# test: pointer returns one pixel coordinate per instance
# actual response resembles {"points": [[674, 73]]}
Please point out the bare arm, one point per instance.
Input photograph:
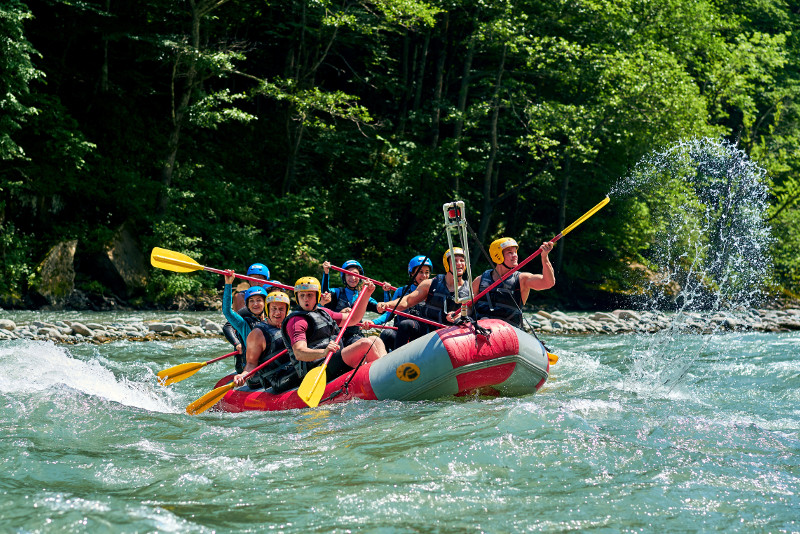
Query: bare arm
{"points": [[256, 343], [304, 354], [410, 300]]}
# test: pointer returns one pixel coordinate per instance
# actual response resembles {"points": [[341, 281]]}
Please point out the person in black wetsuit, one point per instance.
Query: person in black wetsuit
{"points": [[505, 301], [437, 293]]}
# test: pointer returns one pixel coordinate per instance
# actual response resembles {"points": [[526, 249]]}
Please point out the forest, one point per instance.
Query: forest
{"points": [[293, 132]]}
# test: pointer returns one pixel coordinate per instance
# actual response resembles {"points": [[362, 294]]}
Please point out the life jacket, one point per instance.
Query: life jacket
{"points": [[503, 302], [321, 330], [440, 300], [418, 309], [251, 320], [279, 370], [341, 303]]}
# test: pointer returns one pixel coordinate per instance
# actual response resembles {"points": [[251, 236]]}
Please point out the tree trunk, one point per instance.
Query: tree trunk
{"points": [[490, 174], [439, 85], [423, 57], [462, 107], [562, 208]]}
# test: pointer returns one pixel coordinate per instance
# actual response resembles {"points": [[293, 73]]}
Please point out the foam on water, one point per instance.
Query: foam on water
{"points": [[35, 366]]}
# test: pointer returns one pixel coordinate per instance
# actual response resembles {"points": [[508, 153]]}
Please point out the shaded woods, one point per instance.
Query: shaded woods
{"points": [[293, 132]]}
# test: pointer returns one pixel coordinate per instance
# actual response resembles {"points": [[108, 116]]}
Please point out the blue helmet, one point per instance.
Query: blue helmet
{"points": [[258, 268], [418, 261], [351, 263], [255, 290]]}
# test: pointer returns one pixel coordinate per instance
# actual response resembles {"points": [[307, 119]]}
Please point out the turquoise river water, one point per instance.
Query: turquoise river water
{"points": [[682, 433]]}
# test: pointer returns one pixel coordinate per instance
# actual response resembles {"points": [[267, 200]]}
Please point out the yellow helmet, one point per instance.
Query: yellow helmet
{"points": [[497, 246], [308, 283], [458, 252], [278, 296]]}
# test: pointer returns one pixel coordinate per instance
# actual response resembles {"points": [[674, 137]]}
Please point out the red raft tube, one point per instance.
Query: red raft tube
{"points": [[453, 361]]}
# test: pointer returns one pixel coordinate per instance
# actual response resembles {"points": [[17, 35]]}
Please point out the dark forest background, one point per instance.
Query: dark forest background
{"points": [[290, 132]]}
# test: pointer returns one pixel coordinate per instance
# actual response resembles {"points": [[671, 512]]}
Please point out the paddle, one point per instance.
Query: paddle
{"points": [[181, 263], [313, 386], [361, 276], [563, 232], [552, 358], [185, 370], [212, 397]]}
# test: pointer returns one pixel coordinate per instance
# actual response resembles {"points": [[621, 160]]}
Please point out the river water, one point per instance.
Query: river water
{"points": [[90, 443]]}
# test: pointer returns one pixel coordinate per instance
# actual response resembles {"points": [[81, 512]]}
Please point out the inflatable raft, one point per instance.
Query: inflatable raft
{"points": [[452, 361]]}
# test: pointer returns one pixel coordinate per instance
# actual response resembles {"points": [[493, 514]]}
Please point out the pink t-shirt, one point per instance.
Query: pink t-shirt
{"points": [[297, 325]]}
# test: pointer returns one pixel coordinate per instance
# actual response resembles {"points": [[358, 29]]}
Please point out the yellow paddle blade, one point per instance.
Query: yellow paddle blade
{"points": [[209, 399], [552, 358], [179, 372], [313, 386], [173, 261]]}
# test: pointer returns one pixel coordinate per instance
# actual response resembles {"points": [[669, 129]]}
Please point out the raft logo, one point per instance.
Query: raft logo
{"points": [[408, 372]]}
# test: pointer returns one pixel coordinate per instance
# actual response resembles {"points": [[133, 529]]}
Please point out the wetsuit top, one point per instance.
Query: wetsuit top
{"points": [[503, 302], [317, 327], [242, 323], [440, 300]]}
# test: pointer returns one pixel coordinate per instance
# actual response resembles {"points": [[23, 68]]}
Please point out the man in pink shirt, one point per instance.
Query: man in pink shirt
{"points": [[311, 331]]}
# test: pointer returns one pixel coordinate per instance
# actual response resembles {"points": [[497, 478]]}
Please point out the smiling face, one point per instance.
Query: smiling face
{"points": [[276, 312], [423, 273], [461, 264], [307, 299], [351, 280], [256, 304]]}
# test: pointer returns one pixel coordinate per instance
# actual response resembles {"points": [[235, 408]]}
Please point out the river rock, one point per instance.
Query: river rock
{"points": [[79, 328], [160, 327], [625, 315], [7, 324], [175, 320], [126, 256]]}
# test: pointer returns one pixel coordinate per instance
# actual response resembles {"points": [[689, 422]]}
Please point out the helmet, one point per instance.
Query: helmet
{"points": [[351, 263], [258, 268], [457, 251], [418, 261], [255, 290], [308, 283], [497, 246], [278, 296]]}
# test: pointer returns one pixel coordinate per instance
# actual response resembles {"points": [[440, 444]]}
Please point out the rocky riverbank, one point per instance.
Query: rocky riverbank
{"points": [[556, 322]]}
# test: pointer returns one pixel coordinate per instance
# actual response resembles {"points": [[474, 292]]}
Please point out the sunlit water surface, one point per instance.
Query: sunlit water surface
{"points": [[91, 443]]}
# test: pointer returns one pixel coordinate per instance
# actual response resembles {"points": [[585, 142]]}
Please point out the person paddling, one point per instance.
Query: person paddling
{"points": [[310, 332], [437, 293], [263, 343], [256, 270], [506, 300], [419, 270], [254, 299], [343, 298]]}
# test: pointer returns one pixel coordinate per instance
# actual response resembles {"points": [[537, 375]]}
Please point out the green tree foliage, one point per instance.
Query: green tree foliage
{"points": [[293, 132]]}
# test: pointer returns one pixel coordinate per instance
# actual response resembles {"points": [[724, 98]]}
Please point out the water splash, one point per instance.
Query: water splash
{"points": [[707, 203], [34, 367]]}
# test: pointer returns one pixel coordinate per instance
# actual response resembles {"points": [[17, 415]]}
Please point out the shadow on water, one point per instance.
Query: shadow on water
{"points": [[707, 203]]}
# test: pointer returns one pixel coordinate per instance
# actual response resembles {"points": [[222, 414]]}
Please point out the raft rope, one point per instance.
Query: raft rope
{"points": [[411, 277]]}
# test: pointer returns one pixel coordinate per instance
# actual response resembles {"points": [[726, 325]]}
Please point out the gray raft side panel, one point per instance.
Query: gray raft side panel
{"points": [[436, 378], [531, 367]]}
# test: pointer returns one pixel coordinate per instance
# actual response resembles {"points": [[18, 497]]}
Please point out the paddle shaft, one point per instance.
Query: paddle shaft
{"points": [[329, 355], [524, 262], [220, 271], [223, 357], [262, 365], [361, 276], [416, 318]]}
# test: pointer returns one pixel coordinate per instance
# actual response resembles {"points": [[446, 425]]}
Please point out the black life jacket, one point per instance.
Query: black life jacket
{"points": [[321, 330], [440, 300], [275, 344], [418, 309], [502, 302]]}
